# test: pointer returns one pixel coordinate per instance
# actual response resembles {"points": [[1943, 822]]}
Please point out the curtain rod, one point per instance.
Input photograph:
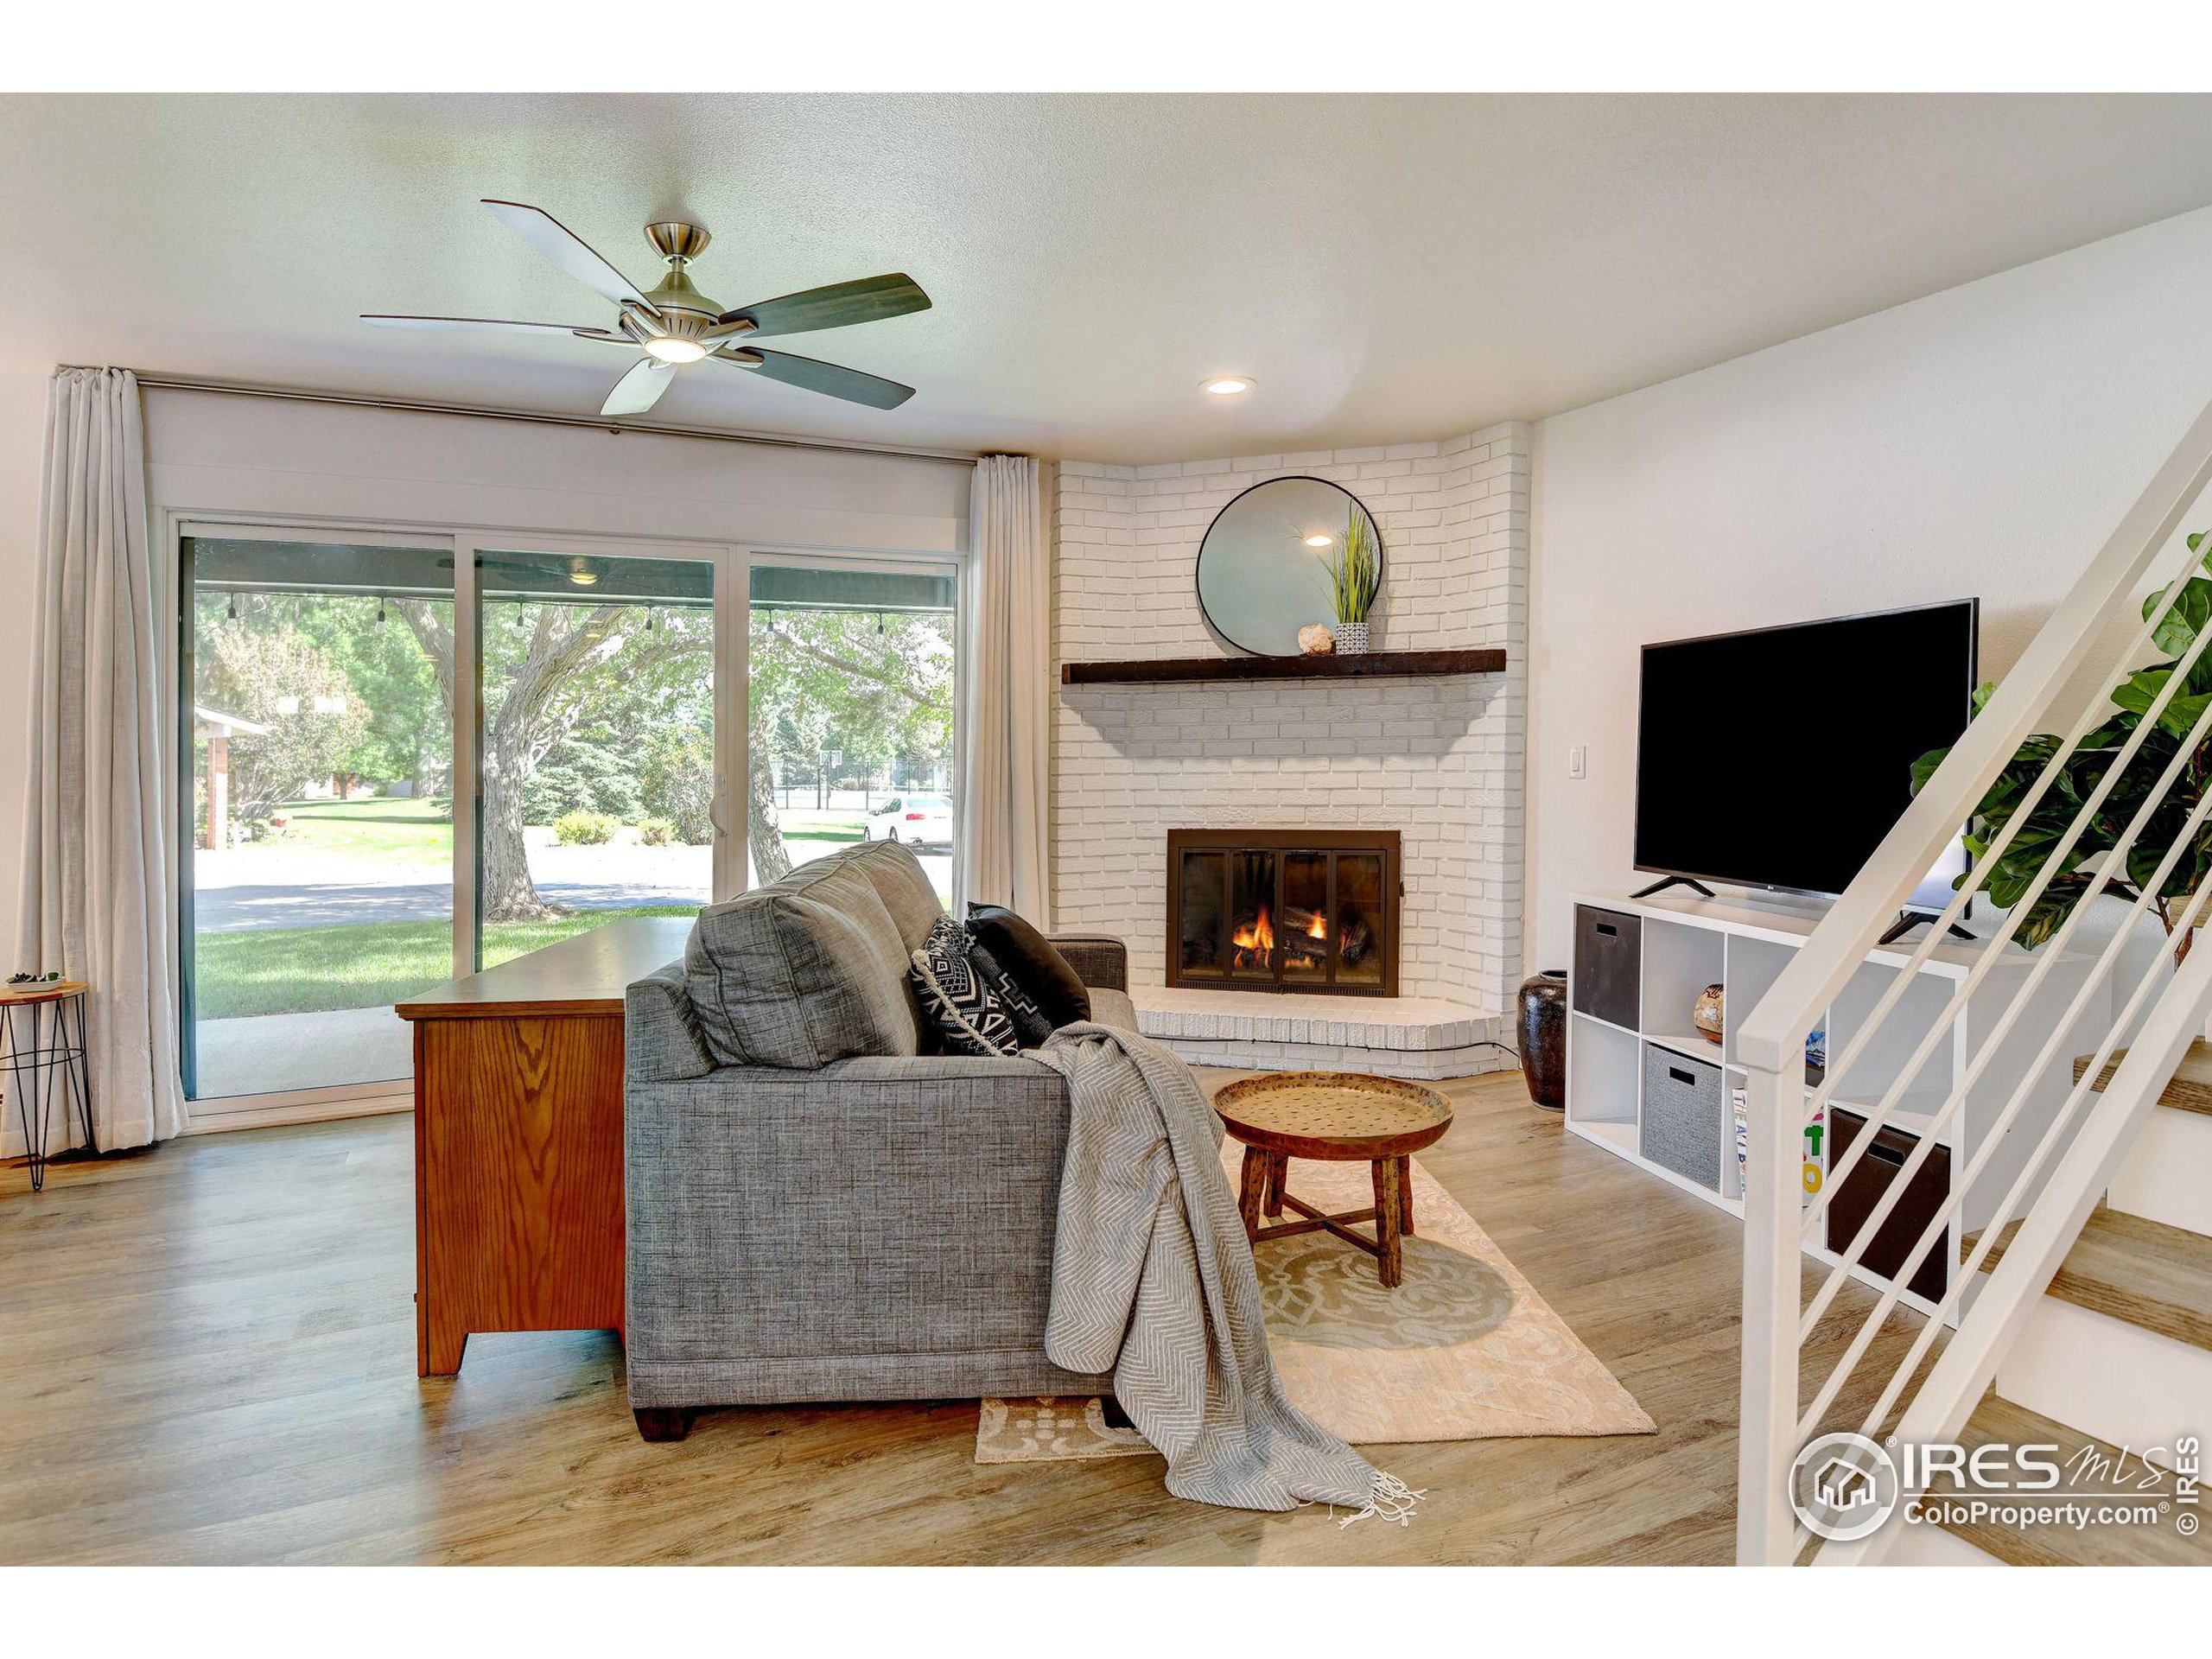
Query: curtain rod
{"points": [[424, 406]]}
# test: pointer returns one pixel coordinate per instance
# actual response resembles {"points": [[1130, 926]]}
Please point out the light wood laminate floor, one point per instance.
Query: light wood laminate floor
{"points": [[207, 1355]]}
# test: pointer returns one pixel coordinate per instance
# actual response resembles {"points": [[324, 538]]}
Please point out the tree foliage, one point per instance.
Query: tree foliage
{"points": [[588, 707], [276, 675]]}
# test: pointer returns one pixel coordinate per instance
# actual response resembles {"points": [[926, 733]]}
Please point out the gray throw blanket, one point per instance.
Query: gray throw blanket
{"points": [[1152, 1276]]}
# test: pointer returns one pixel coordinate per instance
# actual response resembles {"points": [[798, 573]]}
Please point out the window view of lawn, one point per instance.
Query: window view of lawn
{"points": [[322, 834]]}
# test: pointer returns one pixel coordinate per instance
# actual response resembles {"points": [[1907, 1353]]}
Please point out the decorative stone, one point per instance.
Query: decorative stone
{"points": [[1314, 639]]}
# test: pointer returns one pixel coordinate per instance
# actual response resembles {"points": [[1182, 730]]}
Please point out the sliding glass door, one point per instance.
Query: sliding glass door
{"points": [[393, 778], [316, 819], [851, 671], [599, 783], [405, 758]]}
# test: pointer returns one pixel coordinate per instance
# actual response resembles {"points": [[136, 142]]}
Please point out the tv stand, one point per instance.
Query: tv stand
{"points": [[1698, 887], [1906, 921], [1647, 1083]]}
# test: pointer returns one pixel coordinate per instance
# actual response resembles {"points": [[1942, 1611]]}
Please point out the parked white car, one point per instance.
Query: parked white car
{"points": [[918, 820]]}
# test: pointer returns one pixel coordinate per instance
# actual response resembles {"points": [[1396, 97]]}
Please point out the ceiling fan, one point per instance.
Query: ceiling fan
{"points": [[675, 323]]}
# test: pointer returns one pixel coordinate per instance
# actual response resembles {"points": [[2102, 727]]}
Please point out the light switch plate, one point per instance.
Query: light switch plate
{"points": [[1577, 761]]}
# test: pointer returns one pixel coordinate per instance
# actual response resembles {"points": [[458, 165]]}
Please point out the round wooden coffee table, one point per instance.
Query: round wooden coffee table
{"points": [[1338, 1117]]}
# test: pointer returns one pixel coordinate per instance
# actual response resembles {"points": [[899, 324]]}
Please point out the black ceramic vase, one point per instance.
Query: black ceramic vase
{"points": [[1543, 1037]]}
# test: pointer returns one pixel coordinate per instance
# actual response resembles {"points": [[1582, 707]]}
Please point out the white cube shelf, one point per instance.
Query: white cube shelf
{"points": [[1682, 944]]}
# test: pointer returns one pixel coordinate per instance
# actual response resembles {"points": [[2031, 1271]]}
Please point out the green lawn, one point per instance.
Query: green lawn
{"points": [[360, 965], [413, 831]]}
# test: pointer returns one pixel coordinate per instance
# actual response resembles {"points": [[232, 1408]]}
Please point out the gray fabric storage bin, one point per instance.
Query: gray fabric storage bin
{"points": [[1609, 965], [1683, 1124]]}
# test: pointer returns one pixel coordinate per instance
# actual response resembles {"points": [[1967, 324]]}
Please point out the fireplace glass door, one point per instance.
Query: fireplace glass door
{"points": [[1282, 910]]}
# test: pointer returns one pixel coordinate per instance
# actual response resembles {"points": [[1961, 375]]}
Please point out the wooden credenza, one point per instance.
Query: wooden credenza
{"points": [[519, 1139]]}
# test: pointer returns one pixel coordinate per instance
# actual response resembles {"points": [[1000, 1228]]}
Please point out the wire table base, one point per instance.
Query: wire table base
{"points": [[42, 1073]]}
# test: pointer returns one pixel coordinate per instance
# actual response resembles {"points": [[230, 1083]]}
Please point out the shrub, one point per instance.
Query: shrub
{"points": [[585, 829], [657, 832]]}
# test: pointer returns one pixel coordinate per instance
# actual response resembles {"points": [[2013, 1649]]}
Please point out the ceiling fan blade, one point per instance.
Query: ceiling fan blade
{"points": [[870, 299], [381, 320], [569, 251], [827, 377], [639, 389]]}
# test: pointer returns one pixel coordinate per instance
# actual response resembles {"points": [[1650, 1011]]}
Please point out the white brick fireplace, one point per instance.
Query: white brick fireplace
{"points": [[1439, 759]]}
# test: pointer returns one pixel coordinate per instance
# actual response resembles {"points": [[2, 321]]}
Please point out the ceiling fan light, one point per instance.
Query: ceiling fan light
{"points": [[671, 349]]}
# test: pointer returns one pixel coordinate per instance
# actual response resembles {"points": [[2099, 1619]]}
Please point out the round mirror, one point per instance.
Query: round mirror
{"points": [[1263, 568]]}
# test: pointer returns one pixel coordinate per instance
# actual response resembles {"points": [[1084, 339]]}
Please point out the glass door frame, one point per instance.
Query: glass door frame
{"points": [[182, 528], [730, 575], [955, 564], [730, 621]]}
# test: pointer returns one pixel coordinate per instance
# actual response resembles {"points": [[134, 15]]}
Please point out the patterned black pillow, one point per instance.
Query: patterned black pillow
{"points": [[960, 1005], [1031, 1025]]}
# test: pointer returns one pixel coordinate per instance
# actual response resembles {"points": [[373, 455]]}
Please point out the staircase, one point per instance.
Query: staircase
{"points": [[2118, 1354], [2080, 1314]]}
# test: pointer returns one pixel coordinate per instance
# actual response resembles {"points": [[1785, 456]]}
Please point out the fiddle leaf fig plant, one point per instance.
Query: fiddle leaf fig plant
{"points": [[2096, 863]]}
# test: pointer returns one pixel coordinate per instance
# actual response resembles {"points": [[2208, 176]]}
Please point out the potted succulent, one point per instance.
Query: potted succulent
{"points": [[1355, 577]]}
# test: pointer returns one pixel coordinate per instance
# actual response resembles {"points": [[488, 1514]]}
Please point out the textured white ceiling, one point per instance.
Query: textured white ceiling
{"points": [[1384, 267]]}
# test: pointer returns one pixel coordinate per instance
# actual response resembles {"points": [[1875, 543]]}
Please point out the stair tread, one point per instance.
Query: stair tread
{"points": [[2189, 1088], [1998, 1421], [2145, 1272]]}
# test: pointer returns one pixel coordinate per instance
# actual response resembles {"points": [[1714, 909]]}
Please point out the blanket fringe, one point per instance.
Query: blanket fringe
{"points": [[1389, 1498]]}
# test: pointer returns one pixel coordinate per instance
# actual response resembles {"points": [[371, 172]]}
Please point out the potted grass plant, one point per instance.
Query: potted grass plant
{"points": [[1355, 577]]}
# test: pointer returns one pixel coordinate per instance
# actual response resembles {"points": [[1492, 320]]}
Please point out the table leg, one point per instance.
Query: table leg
{"points": [[1406, 1196], [81, 1070], [1278, 1179], [33, 1103], [1253, 1190], [1389, 1209]]}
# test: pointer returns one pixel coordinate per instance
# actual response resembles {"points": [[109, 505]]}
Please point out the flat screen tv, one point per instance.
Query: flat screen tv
{"points": [[1779, 757]]}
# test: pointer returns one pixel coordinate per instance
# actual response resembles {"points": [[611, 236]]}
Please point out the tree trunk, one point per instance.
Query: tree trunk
{"points": [[507, 894], [772, 862]]}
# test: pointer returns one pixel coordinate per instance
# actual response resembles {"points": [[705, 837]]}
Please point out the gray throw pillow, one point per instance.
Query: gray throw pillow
{"points": [[800, 978]]}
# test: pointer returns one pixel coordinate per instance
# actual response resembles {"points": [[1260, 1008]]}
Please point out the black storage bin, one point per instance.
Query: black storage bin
{"points": [[1682, 1128], [1863, 1189], [1608, 963]]}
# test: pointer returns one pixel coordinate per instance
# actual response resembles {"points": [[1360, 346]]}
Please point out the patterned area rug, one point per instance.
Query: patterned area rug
{"points": [[1465, 1349]]}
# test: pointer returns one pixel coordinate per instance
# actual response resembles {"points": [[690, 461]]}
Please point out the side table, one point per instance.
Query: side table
{"points": [[1335, 1117], [46, 1067]]}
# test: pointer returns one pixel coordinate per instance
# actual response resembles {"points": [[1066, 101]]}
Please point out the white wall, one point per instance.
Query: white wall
{"points": [[1983, 441], [1439, 760]]}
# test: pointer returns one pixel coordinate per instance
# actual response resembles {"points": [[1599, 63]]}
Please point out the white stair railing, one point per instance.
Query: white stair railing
{"points": [[2074, 1157]]}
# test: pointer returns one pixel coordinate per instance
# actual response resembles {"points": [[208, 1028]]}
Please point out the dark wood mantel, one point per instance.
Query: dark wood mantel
{"points": [[1373, 664]]}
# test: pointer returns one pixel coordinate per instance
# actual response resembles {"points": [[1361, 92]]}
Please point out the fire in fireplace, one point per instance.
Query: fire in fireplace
{"points": [[1284, 909]]}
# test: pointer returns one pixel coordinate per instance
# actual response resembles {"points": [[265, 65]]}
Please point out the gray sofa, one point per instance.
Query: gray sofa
{"points": [[819, 1209]]}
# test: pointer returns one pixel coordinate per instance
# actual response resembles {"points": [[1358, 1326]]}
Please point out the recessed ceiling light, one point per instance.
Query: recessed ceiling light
{"points": [[1226, 385], [1319, 541], [668, 349]]}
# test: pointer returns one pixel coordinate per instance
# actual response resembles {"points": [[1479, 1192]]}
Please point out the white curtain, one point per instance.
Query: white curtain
{"points": [[95, 889], [1004, 855]]}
